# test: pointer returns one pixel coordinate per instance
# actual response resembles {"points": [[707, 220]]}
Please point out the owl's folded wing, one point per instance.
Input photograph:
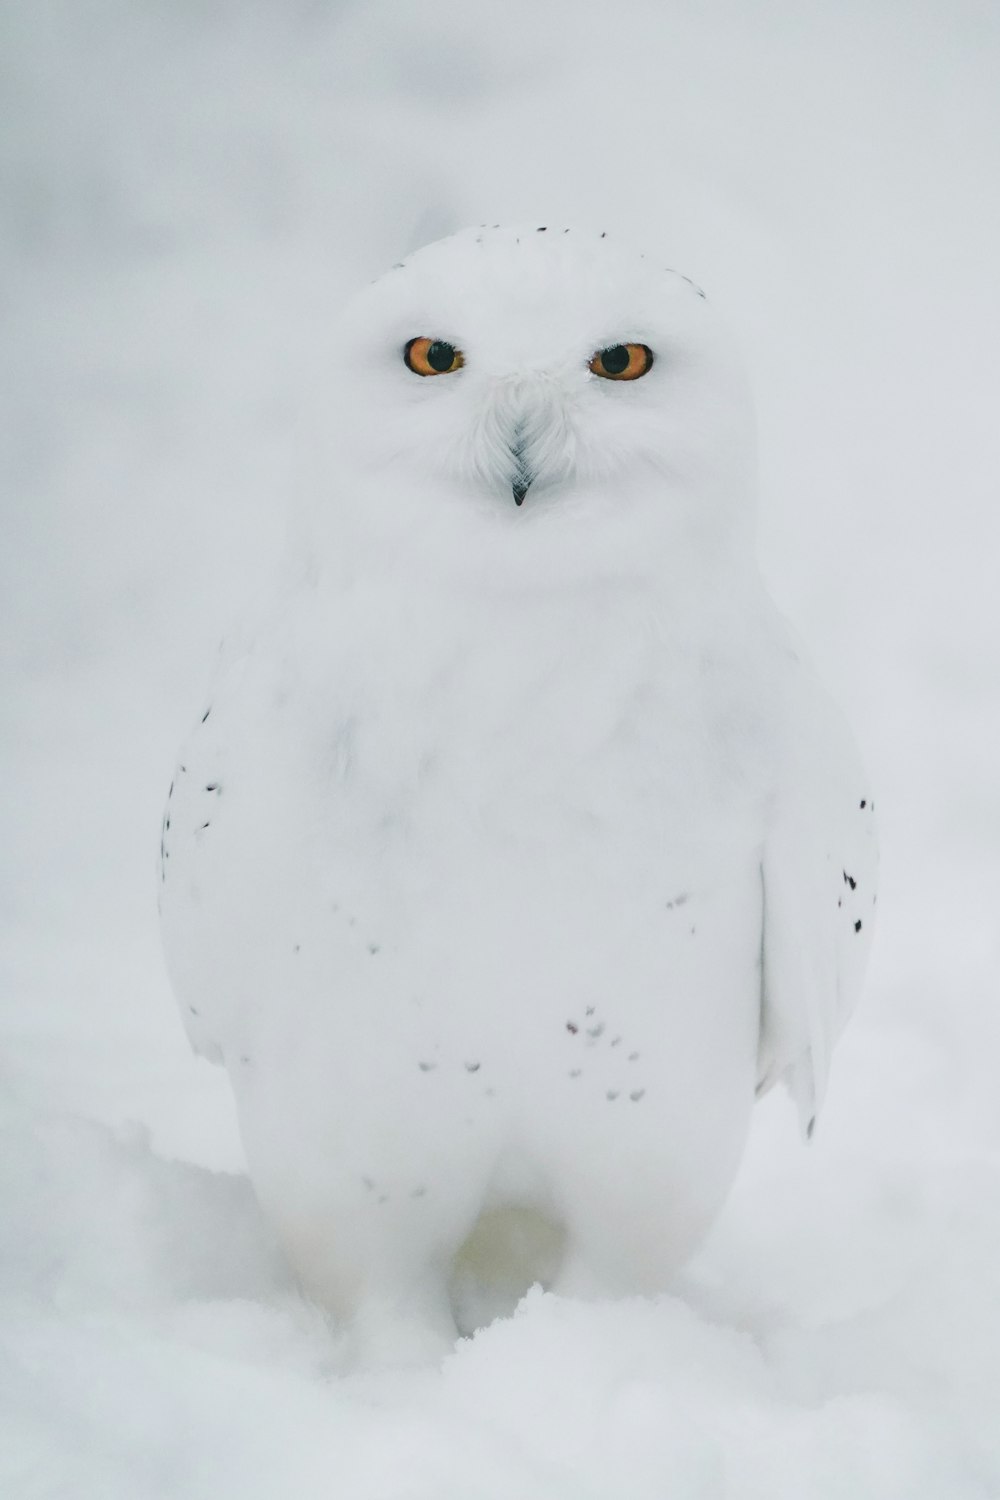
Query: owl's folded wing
{"points": [[819, 872], [186, 854]]}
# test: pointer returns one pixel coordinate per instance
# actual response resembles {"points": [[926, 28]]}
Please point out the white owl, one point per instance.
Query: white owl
{"points": [[517, 848]]}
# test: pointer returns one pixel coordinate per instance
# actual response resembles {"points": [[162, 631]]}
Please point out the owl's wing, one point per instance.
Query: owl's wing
{"points": [[185, 835], [819, 873], [196, 859]]}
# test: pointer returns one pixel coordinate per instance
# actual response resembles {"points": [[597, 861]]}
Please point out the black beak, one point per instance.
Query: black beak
{"points": [[521, 481]]}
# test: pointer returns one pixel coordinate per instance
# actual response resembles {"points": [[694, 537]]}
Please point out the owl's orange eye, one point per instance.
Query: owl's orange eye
{"points": [[432, 357], [622, 362]]}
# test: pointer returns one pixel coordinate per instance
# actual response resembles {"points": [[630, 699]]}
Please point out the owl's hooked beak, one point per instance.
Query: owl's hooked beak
{"points": [[522, 476]]}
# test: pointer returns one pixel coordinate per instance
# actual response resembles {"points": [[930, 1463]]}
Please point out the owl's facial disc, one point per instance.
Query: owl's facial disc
{"points": [[528, 422]]}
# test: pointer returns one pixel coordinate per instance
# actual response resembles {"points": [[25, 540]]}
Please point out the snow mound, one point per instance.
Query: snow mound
{"points": [[154, 1347]]}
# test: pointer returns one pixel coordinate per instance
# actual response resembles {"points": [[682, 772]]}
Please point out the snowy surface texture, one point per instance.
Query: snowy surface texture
{"points": [[188, 192]]}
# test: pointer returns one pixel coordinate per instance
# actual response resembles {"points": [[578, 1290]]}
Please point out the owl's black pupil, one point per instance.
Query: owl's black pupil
{"points": [[441, 357], [615, 360]]}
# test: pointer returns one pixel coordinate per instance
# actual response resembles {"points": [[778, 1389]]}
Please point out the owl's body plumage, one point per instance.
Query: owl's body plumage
{"points": [[517, 848]]}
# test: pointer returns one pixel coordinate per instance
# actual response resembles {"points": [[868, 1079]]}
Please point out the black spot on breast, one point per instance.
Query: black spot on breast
{"points": [[194, 1011], [472, 1067], [427, 1067], [596, 1031], [572, 1028], [206, 714], [850, 880], [612, 1094], [636, 1095], [863, 802], [212, 786], [374, 948], [575, 1072], [857, 925]]}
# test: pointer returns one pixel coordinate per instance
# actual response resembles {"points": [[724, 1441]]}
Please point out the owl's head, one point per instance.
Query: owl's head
{"points": [[542, 393]]}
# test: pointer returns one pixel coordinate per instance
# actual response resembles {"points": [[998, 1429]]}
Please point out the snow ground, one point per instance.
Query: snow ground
{"points": [[188, 190]]}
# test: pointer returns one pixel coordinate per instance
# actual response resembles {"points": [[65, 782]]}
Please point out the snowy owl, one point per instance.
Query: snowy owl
{"points": [[516, 848]]}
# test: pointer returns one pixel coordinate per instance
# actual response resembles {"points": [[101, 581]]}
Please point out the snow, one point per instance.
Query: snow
{"points": [[188, 193]]}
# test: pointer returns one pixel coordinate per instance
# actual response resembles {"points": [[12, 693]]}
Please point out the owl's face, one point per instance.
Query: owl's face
{"points": [[523, 382]]}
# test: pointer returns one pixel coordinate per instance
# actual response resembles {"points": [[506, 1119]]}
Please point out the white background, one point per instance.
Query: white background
{"points": [[187, 190]]}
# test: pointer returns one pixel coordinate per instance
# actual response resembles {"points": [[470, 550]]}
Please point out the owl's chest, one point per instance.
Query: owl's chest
{"points": [[524, 776], [527, 736], [530, 818]]}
